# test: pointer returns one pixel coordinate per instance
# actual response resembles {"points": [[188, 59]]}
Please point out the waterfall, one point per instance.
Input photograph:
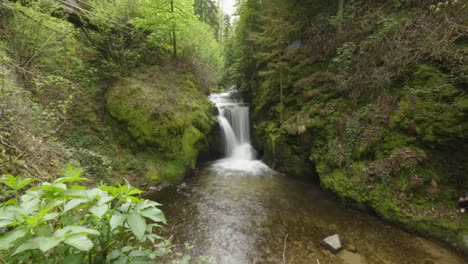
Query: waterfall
{"points": [[233, 119]]}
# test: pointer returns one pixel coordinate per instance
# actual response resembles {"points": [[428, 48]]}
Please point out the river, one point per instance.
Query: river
{"points": [[237, 211]]}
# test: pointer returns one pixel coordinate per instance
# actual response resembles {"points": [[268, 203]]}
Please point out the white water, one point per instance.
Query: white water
{"points": [[234, 122]]}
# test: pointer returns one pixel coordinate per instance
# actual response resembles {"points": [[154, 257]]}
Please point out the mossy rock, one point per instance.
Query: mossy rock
{"points": [[162, 108]]}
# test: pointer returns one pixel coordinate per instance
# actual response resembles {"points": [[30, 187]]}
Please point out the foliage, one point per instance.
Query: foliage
{"points": [[377, 110], [63, 222]]}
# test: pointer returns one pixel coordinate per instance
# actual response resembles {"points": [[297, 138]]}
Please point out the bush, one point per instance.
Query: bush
{"points": [[61, 222]]}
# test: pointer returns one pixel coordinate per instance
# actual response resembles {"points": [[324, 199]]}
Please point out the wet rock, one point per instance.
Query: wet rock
{"points": [[332, 243]]}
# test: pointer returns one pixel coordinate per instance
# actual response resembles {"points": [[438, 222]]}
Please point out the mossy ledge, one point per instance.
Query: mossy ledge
{"points": [[166, 110]]}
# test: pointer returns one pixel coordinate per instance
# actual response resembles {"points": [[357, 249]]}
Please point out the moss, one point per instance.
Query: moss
{"points": [[164, 110], [158, 171], [191, 138], [431, 108]]}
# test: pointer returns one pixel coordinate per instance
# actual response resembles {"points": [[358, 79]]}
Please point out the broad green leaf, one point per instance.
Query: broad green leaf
{"points": [[31, 195], [5, 222], [117, 220], [35, 220], [44, 230], [133, 191], [30, 206], [126, 249], [79, 241], [104, 200], [74, 203], [70, 219], [99, 211], [154, 214], [49, 217], [112, 190], [73, 230], [114, 254], [95, 194], [146, 204], [137, 225], [42, 243], [121, 260], [125, 207], [7, 215], [7, 240]]}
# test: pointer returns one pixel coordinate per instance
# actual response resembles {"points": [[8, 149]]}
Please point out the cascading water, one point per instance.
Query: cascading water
{"points": [[233, 119]]}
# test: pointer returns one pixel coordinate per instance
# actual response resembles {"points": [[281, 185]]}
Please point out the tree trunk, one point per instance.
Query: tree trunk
{"points": [[174, 37], [340, 15], [281, 96]]}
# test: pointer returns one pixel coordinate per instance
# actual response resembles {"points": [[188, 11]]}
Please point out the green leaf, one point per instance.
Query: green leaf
{"points": [[49, 217], [22, 182], [74, 203], [112, 190], [79, 241], [70, 172], [7, 215], [117, 220], [154, 214], [5, 222], [54, 190], [99, 211], [137, 225], [7, 240], [9, 180], [104, 200], [42, 243], [73, 230], [44, 230], [70, 219], [146, 204], [114, 254], [122, 260]]}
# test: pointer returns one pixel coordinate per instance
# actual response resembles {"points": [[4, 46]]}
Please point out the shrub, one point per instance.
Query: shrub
{"points": [[61, 222]]}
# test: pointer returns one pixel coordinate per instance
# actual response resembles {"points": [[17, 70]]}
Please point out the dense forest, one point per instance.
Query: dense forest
{"points": [[366, 98]]}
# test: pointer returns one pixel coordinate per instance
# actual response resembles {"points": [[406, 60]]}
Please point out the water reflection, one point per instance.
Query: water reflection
{"points": [[235, 215]]}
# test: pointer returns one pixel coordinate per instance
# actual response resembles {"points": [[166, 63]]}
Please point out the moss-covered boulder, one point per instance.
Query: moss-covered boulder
{"points": [[165, 109]]}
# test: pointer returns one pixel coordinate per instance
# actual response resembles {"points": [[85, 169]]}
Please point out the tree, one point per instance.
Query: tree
{"points": [[340, 16]]}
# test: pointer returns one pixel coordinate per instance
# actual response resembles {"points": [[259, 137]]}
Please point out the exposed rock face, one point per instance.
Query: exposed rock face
{"points": [[332, 243]]}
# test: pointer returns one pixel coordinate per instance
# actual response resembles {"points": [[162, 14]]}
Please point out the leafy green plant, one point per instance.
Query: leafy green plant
{"points": [[63, 222]]}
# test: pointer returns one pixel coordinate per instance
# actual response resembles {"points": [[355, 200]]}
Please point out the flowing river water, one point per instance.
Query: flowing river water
{"points": [[238, 210]]}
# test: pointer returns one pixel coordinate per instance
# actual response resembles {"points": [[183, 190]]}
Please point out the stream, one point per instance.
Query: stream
{"points": [[238, 210]]}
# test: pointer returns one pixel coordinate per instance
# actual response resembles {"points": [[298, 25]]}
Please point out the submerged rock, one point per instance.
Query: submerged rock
{"points": [[332, 243]]}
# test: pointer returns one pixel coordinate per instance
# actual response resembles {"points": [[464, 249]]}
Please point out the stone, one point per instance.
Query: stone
{"points": [[351, 248], [332, 243]]}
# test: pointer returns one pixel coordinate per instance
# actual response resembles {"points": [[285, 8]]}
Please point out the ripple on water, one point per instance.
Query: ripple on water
{"points": [[241, 211]]}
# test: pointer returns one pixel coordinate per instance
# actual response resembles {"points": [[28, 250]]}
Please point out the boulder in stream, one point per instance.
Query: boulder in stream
{"points": [[332, 243]]}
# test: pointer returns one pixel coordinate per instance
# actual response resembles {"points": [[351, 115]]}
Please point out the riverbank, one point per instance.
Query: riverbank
{"points": [[375, 111]]}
